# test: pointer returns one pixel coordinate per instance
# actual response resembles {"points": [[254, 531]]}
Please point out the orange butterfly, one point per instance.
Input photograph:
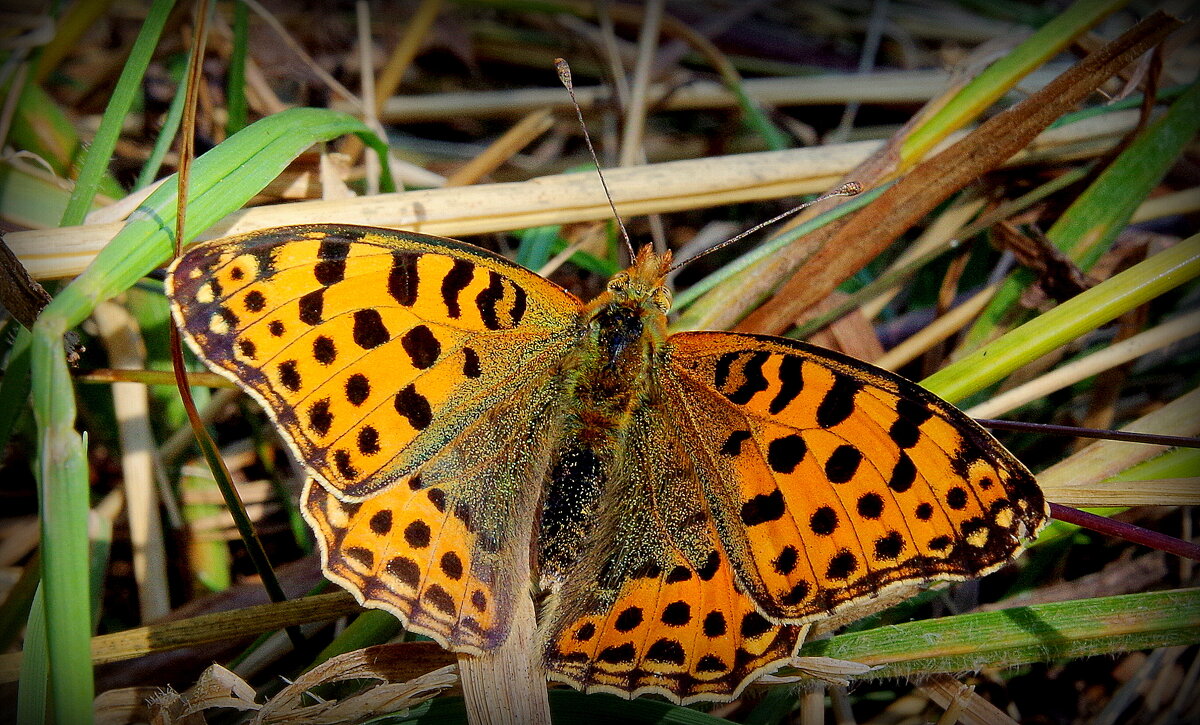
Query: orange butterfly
{"points": [[688, 499]]}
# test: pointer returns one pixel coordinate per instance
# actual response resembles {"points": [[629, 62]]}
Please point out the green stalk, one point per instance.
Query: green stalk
{"points": [[128, 87], [235, 89], [1022, 635], [1083, 313]]}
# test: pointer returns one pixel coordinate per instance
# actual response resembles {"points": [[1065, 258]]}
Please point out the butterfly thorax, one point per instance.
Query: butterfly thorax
{"points": [[611, 369]]}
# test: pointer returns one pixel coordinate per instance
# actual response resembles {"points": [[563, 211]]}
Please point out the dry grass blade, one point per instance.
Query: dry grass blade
{"points": [[395, 693]]}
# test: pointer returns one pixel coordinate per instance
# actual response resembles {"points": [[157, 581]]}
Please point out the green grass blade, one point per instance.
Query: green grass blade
{"points": [[235, 90], [221, 181], [33, 693], [987, 88], [1022, 635], [14, 388], [166, 134], [63, 507], [1090, 225], [28, 199], [129, 85], [41, 127], [1084, 312]]}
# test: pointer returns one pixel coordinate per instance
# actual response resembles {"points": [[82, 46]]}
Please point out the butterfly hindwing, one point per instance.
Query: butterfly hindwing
{"points": [[832, 481], [370, 349], [651, 603]]}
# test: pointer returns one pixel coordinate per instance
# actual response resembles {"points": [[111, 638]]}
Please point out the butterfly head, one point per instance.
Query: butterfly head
{"points": [[643, 285]]}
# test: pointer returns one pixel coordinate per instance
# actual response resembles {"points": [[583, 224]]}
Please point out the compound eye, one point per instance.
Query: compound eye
{"points": [[660, 297], [619, 282]]}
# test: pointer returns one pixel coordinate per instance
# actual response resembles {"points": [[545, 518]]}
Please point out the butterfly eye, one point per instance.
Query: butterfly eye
{"points": [[660, 297], [619, 282]]}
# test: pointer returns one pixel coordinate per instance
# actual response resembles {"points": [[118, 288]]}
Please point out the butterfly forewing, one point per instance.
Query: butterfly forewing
{"points": [[832, 481], [370, 351]]}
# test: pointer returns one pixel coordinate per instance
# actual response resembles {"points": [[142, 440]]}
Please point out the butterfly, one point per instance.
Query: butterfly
{"points": [[683, 502]]}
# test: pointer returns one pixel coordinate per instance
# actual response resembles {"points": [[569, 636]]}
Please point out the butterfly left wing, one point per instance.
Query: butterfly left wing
{"points": [[415, 378], [833, 482]]}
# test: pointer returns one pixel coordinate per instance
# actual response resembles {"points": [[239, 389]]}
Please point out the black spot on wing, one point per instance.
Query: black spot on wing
{"points": [[666, 651], [763, 508], [754, 625], [369, 330], [629, 619], [324, 351], [714, 624], [722, 368], [679, 574], [889, 547], [312, 307], [358, 389], [904, 473], [404, 569], [452, 565], [785, 563], [417, 534], [455, 281], [838, 403], [471, 366], [422, 346], [341, 461], [870, 506], [676, 614], [842, 565], [440, 599], [753, 380], [791, 382], [488, 299], [823, 521], [289, 375], [368, 440], [320, 418], [733, 444], [331, 267], [785, 453], [381, 522], [519, 305], [403, 279], [254, 301], [414, 407], [843, 463], [798, 593]]}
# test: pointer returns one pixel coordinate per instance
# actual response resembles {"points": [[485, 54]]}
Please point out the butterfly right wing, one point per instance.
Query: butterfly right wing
{"points": [[834, 483]]}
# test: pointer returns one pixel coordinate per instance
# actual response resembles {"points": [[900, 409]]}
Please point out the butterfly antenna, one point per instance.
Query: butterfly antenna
{"points": [[850, 188], [564, 75]]}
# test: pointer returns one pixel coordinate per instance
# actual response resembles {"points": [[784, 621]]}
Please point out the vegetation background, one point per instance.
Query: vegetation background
{"points": [[1026, 247]]}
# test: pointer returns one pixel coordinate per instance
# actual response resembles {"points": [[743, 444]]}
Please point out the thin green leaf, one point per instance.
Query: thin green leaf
{"points": [[1022, 635], [129, 85], [1083, 313]]}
